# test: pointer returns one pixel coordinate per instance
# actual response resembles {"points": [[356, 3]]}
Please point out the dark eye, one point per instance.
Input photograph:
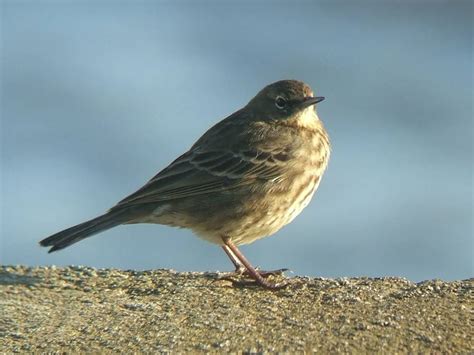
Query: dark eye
{"points": [[280, 102]]}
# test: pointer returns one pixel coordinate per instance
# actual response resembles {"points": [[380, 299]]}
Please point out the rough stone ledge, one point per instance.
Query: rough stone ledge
{"points": [[85, 309]]}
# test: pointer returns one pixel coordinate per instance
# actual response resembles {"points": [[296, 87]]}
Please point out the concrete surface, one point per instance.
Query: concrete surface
{"points": [[84, 309]]}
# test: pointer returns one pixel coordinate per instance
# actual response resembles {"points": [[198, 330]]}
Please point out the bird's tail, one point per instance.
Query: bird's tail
{"points": [[84, 230]]}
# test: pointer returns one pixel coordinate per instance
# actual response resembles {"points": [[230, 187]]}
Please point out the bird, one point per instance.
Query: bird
{"points": [[245, 178]]}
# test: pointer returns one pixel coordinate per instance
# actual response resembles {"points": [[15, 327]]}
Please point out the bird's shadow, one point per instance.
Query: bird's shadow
{"points": [[10, 278]]}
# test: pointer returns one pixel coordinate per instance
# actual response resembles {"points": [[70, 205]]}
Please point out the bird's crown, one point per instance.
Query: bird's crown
{"points": [[283, 99]]}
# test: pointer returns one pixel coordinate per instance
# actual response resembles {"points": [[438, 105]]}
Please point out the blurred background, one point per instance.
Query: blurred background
{"points": [[98, 96]]}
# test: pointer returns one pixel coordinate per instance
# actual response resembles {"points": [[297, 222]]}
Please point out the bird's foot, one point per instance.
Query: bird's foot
{"points": [[267, 273], [260, 282], [244, 268], [241, 272]]}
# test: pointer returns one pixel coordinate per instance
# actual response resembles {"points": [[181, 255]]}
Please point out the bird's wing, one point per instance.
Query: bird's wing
{"points": [[200, 172], [219, 161]]}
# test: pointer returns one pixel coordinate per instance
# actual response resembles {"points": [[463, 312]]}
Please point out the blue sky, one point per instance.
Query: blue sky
{"points": [[99, 96]]}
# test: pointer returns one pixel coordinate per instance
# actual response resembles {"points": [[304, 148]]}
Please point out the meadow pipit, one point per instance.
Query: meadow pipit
{"points": [[244, 179]]}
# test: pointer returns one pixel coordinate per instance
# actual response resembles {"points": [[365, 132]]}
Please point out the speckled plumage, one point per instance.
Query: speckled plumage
{"points": [[245, 178]]}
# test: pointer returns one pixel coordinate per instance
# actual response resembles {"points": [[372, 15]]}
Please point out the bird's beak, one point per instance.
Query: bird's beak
{"points": [[308, 101]]}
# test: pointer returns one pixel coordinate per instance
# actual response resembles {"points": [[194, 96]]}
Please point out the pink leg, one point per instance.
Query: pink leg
{"points": [[239, 267], [239, 259]]}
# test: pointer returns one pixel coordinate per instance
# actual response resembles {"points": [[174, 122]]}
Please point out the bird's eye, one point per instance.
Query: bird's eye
{"points": [[280, 102]]}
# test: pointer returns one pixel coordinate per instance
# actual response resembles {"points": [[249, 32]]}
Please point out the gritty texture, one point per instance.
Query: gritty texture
{"points": [[76, 309]]}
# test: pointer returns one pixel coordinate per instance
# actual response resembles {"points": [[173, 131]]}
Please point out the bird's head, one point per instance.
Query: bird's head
{"points": [[285, 99]]}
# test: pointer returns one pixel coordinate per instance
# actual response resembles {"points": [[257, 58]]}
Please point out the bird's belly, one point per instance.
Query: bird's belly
{"points": [[259, 218], [244, 218]]}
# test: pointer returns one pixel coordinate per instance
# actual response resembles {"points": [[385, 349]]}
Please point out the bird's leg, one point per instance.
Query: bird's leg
{"points": [[239, 267], [241, 270], [239, 259]]}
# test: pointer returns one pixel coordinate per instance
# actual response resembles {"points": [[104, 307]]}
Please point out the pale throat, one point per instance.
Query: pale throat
{"points": [[308, 118]]}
